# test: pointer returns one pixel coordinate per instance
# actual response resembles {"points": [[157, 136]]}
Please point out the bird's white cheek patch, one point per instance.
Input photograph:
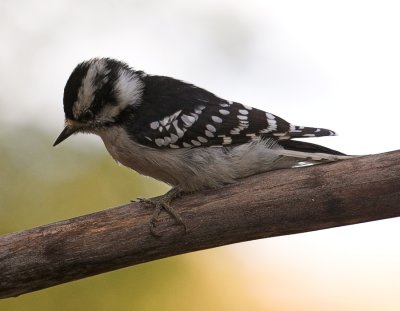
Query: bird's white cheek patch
{"points": [[129, 89]]}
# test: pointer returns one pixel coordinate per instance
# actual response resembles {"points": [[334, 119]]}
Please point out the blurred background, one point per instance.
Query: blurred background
{"points": [[332, 64]]}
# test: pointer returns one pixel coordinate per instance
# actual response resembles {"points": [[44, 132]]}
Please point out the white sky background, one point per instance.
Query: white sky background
{"points": [[332, 64], [323, 63]]}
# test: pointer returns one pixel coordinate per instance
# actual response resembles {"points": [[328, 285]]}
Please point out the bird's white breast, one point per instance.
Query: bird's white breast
{"points": [[194, 169]]}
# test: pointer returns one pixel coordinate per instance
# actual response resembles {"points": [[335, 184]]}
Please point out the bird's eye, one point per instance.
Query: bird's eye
{"points": [[87, 115]]}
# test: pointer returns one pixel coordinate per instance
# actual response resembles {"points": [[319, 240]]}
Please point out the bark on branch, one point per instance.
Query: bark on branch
{"points": [[276, 203]]}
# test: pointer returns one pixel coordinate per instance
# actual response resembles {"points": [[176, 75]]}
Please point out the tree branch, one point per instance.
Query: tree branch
{"points": [[276, 203]]}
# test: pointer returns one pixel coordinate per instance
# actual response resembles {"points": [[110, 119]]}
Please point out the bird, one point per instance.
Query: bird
{"points": [[179, 133]]}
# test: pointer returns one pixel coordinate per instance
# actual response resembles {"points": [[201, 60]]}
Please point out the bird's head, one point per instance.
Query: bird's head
{"points": [[96, 93]]}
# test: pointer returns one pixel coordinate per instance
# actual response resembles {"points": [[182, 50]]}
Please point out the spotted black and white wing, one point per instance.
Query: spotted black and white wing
{"points": [[175, 114]]}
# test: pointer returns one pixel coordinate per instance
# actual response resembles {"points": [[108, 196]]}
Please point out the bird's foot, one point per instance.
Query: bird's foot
{"points": [[160, 203]]}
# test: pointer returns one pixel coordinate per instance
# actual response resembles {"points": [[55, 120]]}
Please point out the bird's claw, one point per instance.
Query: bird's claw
{"points": [[163, 203]]}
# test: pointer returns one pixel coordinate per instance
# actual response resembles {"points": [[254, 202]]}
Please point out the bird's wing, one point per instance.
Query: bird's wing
{"points": [[185, 116]]}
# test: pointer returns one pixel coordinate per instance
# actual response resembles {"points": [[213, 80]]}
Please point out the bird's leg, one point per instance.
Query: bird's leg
{"points": [[164, 202]]}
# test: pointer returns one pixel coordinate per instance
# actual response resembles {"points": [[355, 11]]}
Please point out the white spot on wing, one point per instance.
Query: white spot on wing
{"points": [[175, 115], [154, 125], [226, 140], [186, 145], [195, 116], [216, 119], [174, 138], [243, 111], [294, 129], [195, 142], [272, 125], [243, 124], [280, 134], [270, 116], [178, 130], [165, 121], [208, 133], [167, 140], [188, 120], [211, 128], [202, 139], [159, 142], [224, 112]]}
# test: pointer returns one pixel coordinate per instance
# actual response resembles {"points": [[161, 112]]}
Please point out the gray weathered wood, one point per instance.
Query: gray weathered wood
{"points": [[276, 203]]}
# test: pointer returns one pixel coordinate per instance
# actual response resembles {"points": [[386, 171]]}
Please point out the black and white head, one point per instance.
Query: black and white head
{"points": [[96, 94]]}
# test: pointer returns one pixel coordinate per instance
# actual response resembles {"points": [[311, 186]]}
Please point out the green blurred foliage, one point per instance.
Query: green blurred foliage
{"points": [[40, 184]]}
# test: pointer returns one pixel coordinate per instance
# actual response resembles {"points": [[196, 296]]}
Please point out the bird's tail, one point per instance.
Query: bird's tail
{"points": [[302, 146], [311, 153]]}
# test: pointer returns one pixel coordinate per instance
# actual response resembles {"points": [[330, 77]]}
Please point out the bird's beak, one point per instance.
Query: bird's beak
{"points": [[69, 129]]}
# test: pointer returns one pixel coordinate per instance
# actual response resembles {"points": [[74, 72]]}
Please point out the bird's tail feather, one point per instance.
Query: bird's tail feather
{"points": [[302, 146], [304, 132], [298, 153]]}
